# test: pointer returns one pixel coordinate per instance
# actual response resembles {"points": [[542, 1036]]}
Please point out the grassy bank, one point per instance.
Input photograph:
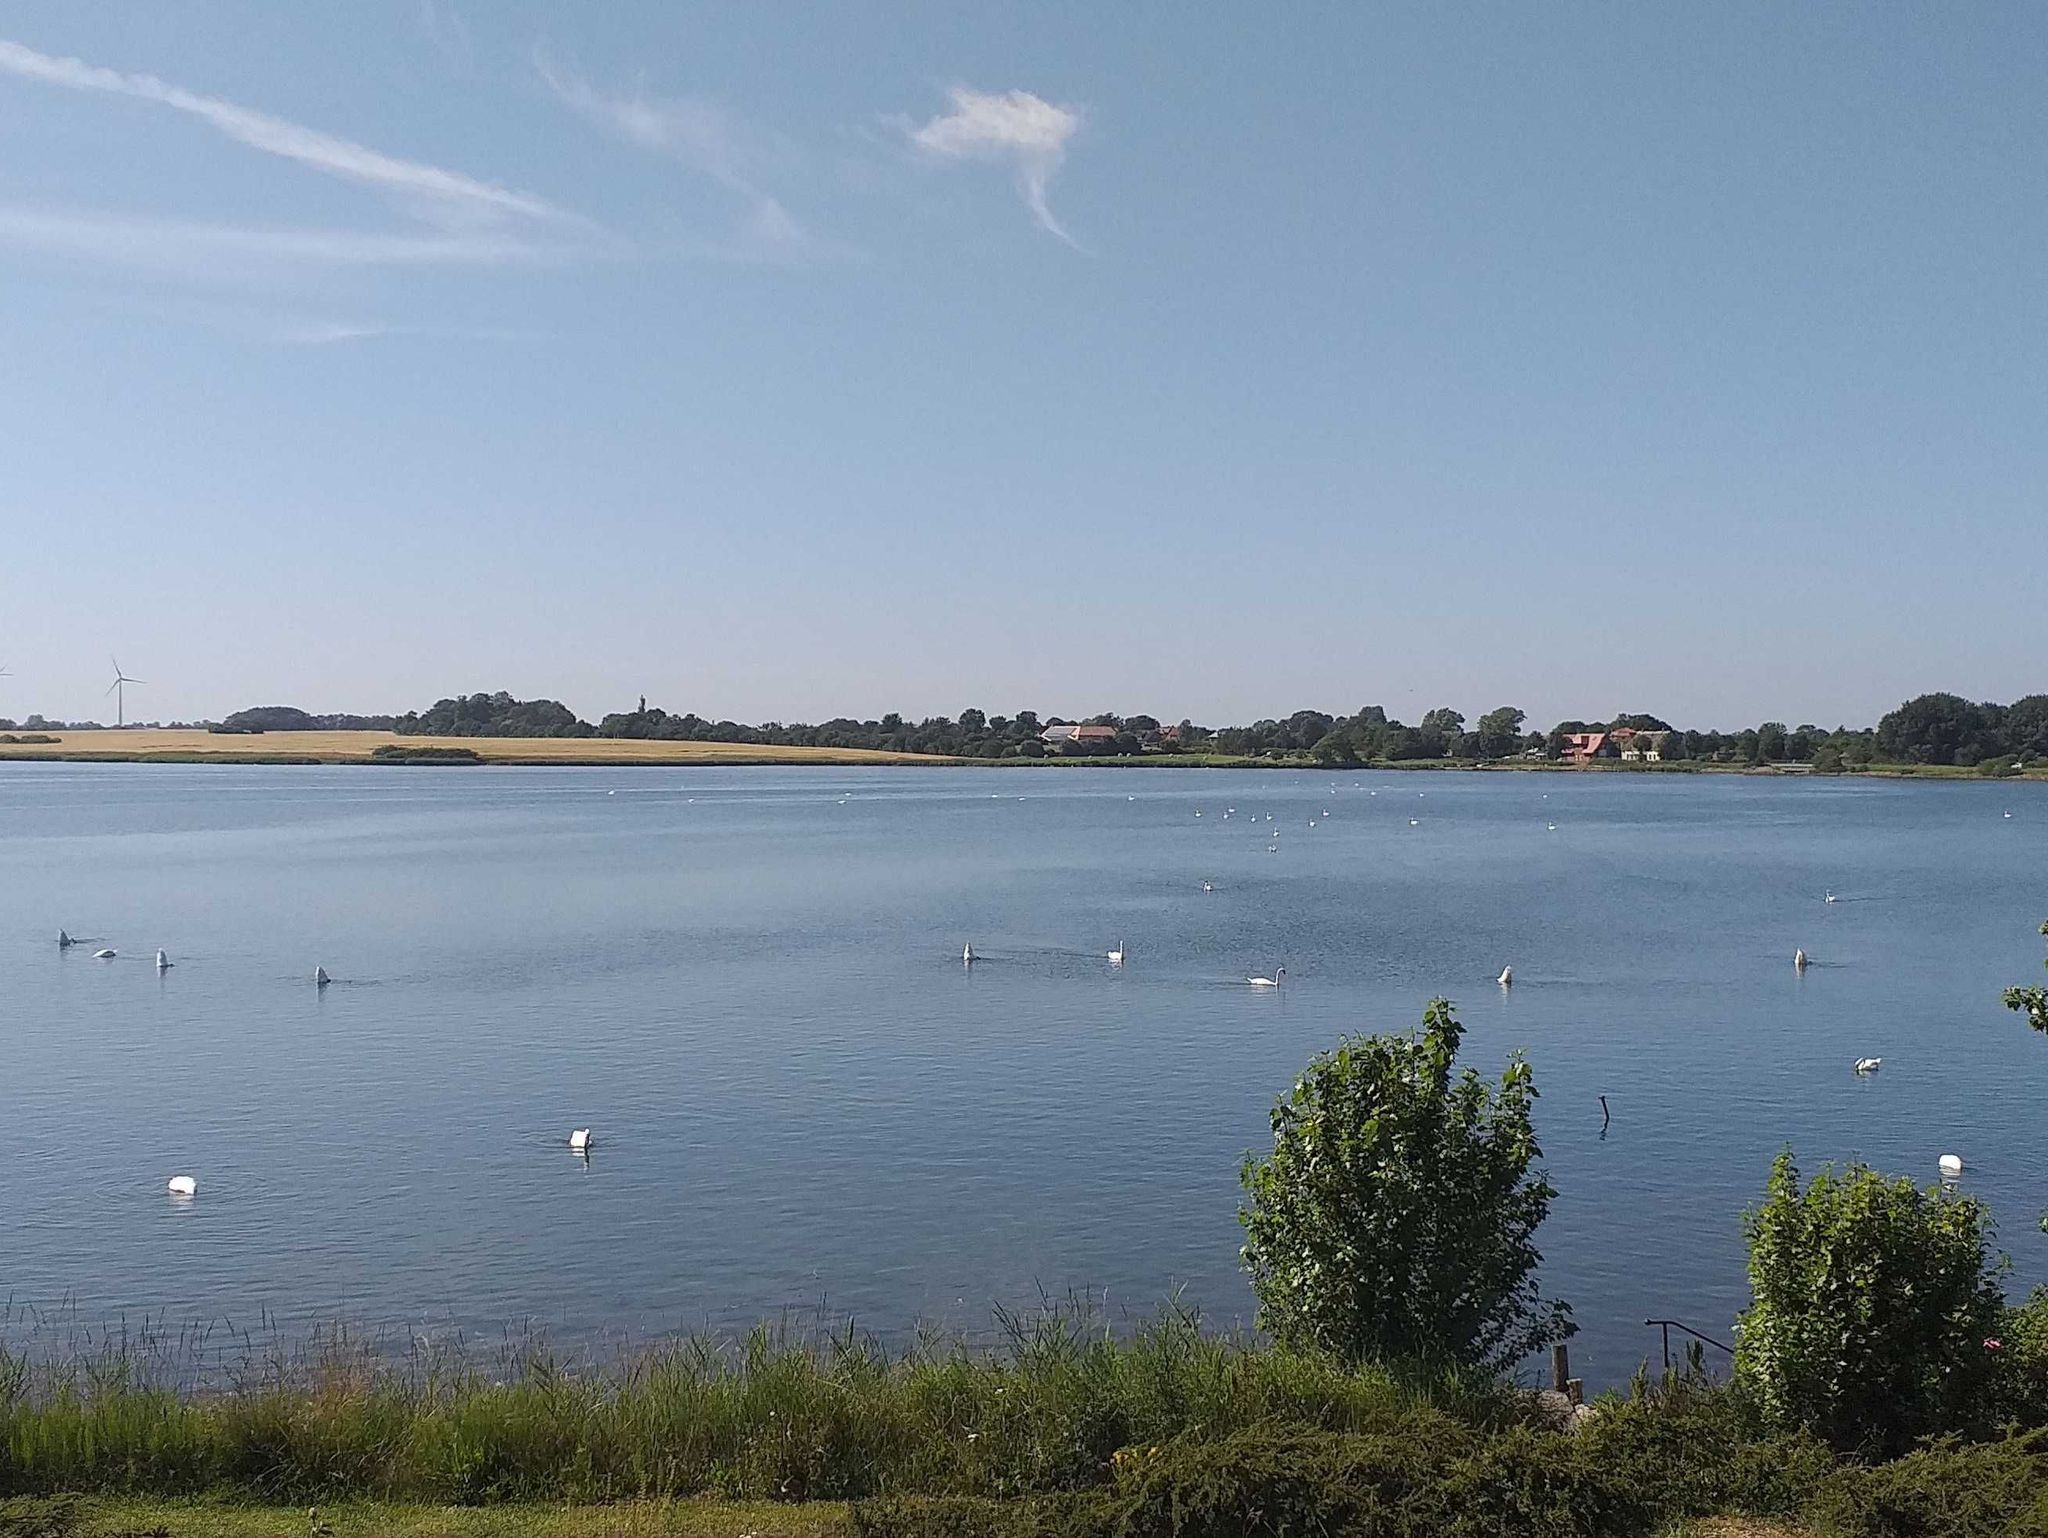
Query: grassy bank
{"points": [[102, 1518], [1067, 1430], [764, 1418], [630, 1519]]}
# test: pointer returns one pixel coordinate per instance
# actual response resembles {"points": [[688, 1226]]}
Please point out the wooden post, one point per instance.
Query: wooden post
{"points": [[1560, 1366]]}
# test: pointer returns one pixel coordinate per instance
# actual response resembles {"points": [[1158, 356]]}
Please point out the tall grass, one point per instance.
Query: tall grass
{"points": [[780, 1414]]}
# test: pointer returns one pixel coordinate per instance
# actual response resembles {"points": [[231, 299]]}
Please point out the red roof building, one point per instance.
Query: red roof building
{"points": [[1584, 747]]}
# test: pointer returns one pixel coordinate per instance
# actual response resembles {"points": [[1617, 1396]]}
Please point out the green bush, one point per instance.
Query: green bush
{"points": [[1700, 1447], [1944, 1490], [1399, 1482], [1873, 1302], [422, 753], [1395, 1219]]}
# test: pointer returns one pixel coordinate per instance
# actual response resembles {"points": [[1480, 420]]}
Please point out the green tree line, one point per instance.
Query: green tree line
{"points": [[1943, 729]]}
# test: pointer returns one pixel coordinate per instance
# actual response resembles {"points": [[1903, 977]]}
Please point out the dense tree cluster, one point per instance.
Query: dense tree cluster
{"points": [[1948, 729], [494, 715], [289, 718]]}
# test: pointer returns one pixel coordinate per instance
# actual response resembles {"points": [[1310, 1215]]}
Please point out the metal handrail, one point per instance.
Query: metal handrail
{"points": [[1668, 1325]]}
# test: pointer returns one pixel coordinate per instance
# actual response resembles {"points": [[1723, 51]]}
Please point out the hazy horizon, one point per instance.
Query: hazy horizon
{"points": [[789, 363]]}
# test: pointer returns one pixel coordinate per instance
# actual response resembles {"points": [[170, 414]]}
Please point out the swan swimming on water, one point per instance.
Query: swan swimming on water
{"points": [[64, 940], [1830, 897], [105, 955], [163, 962], [579, 1140], [182, 1185], [1116, 957], [1951, 1165], [320, 977], [1506, 978], [967, 955], [1800, 961], [1869, 1064], [1268, 982]]}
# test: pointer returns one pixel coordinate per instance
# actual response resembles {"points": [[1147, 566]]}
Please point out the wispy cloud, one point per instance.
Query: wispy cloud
{"points": [[448, 32], [1015, 126], [432, 187], [693, 132], [327, 333], [197, 248]]}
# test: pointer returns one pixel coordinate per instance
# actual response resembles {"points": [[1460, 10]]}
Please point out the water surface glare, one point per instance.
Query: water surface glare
{"points": [[748, 981]]}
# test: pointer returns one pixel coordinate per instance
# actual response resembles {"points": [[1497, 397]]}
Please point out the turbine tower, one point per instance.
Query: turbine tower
{"points": [[118, 689]]}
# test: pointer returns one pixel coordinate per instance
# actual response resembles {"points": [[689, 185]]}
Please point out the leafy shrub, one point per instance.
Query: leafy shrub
{"points": [[2023, 1360], [2032, 1002], [1395, 1219], [1873, 1302]]}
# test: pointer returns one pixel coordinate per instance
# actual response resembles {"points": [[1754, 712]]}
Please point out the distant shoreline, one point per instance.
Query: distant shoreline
{"points": [[155, 746]]}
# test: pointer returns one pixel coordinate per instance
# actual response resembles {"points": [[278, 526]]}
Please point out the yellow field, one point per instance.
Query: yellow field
{"points": [[355, 747]]}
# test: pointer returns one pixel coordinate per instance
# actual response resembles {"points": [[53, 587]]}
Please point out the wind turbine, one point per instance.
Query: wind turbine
{"points": [[117, 689]]}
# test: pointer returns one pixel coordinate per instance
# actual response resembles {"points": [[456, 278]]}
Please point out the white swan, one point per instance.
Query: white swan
{"points": [[967, 954], [1116, 957], [1800, 961], [105, 955], [1869, 1064], [1951, 1165], [1415, 822], [163, 962], [1506, 978], [1830, 897], [182, 1185], [1208, 886], [64, 940], [320, 977], [1269, 982], [579, 1140]]}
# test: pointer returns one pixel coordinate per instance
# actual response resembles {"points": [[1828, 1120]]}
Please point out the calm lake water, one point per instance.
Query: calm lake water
{"points": [[748, 981]]}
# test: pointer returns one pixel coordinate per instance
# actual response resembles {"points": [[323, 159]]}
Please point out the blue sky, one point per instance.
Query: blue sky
{"points": [[782, 361]]}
